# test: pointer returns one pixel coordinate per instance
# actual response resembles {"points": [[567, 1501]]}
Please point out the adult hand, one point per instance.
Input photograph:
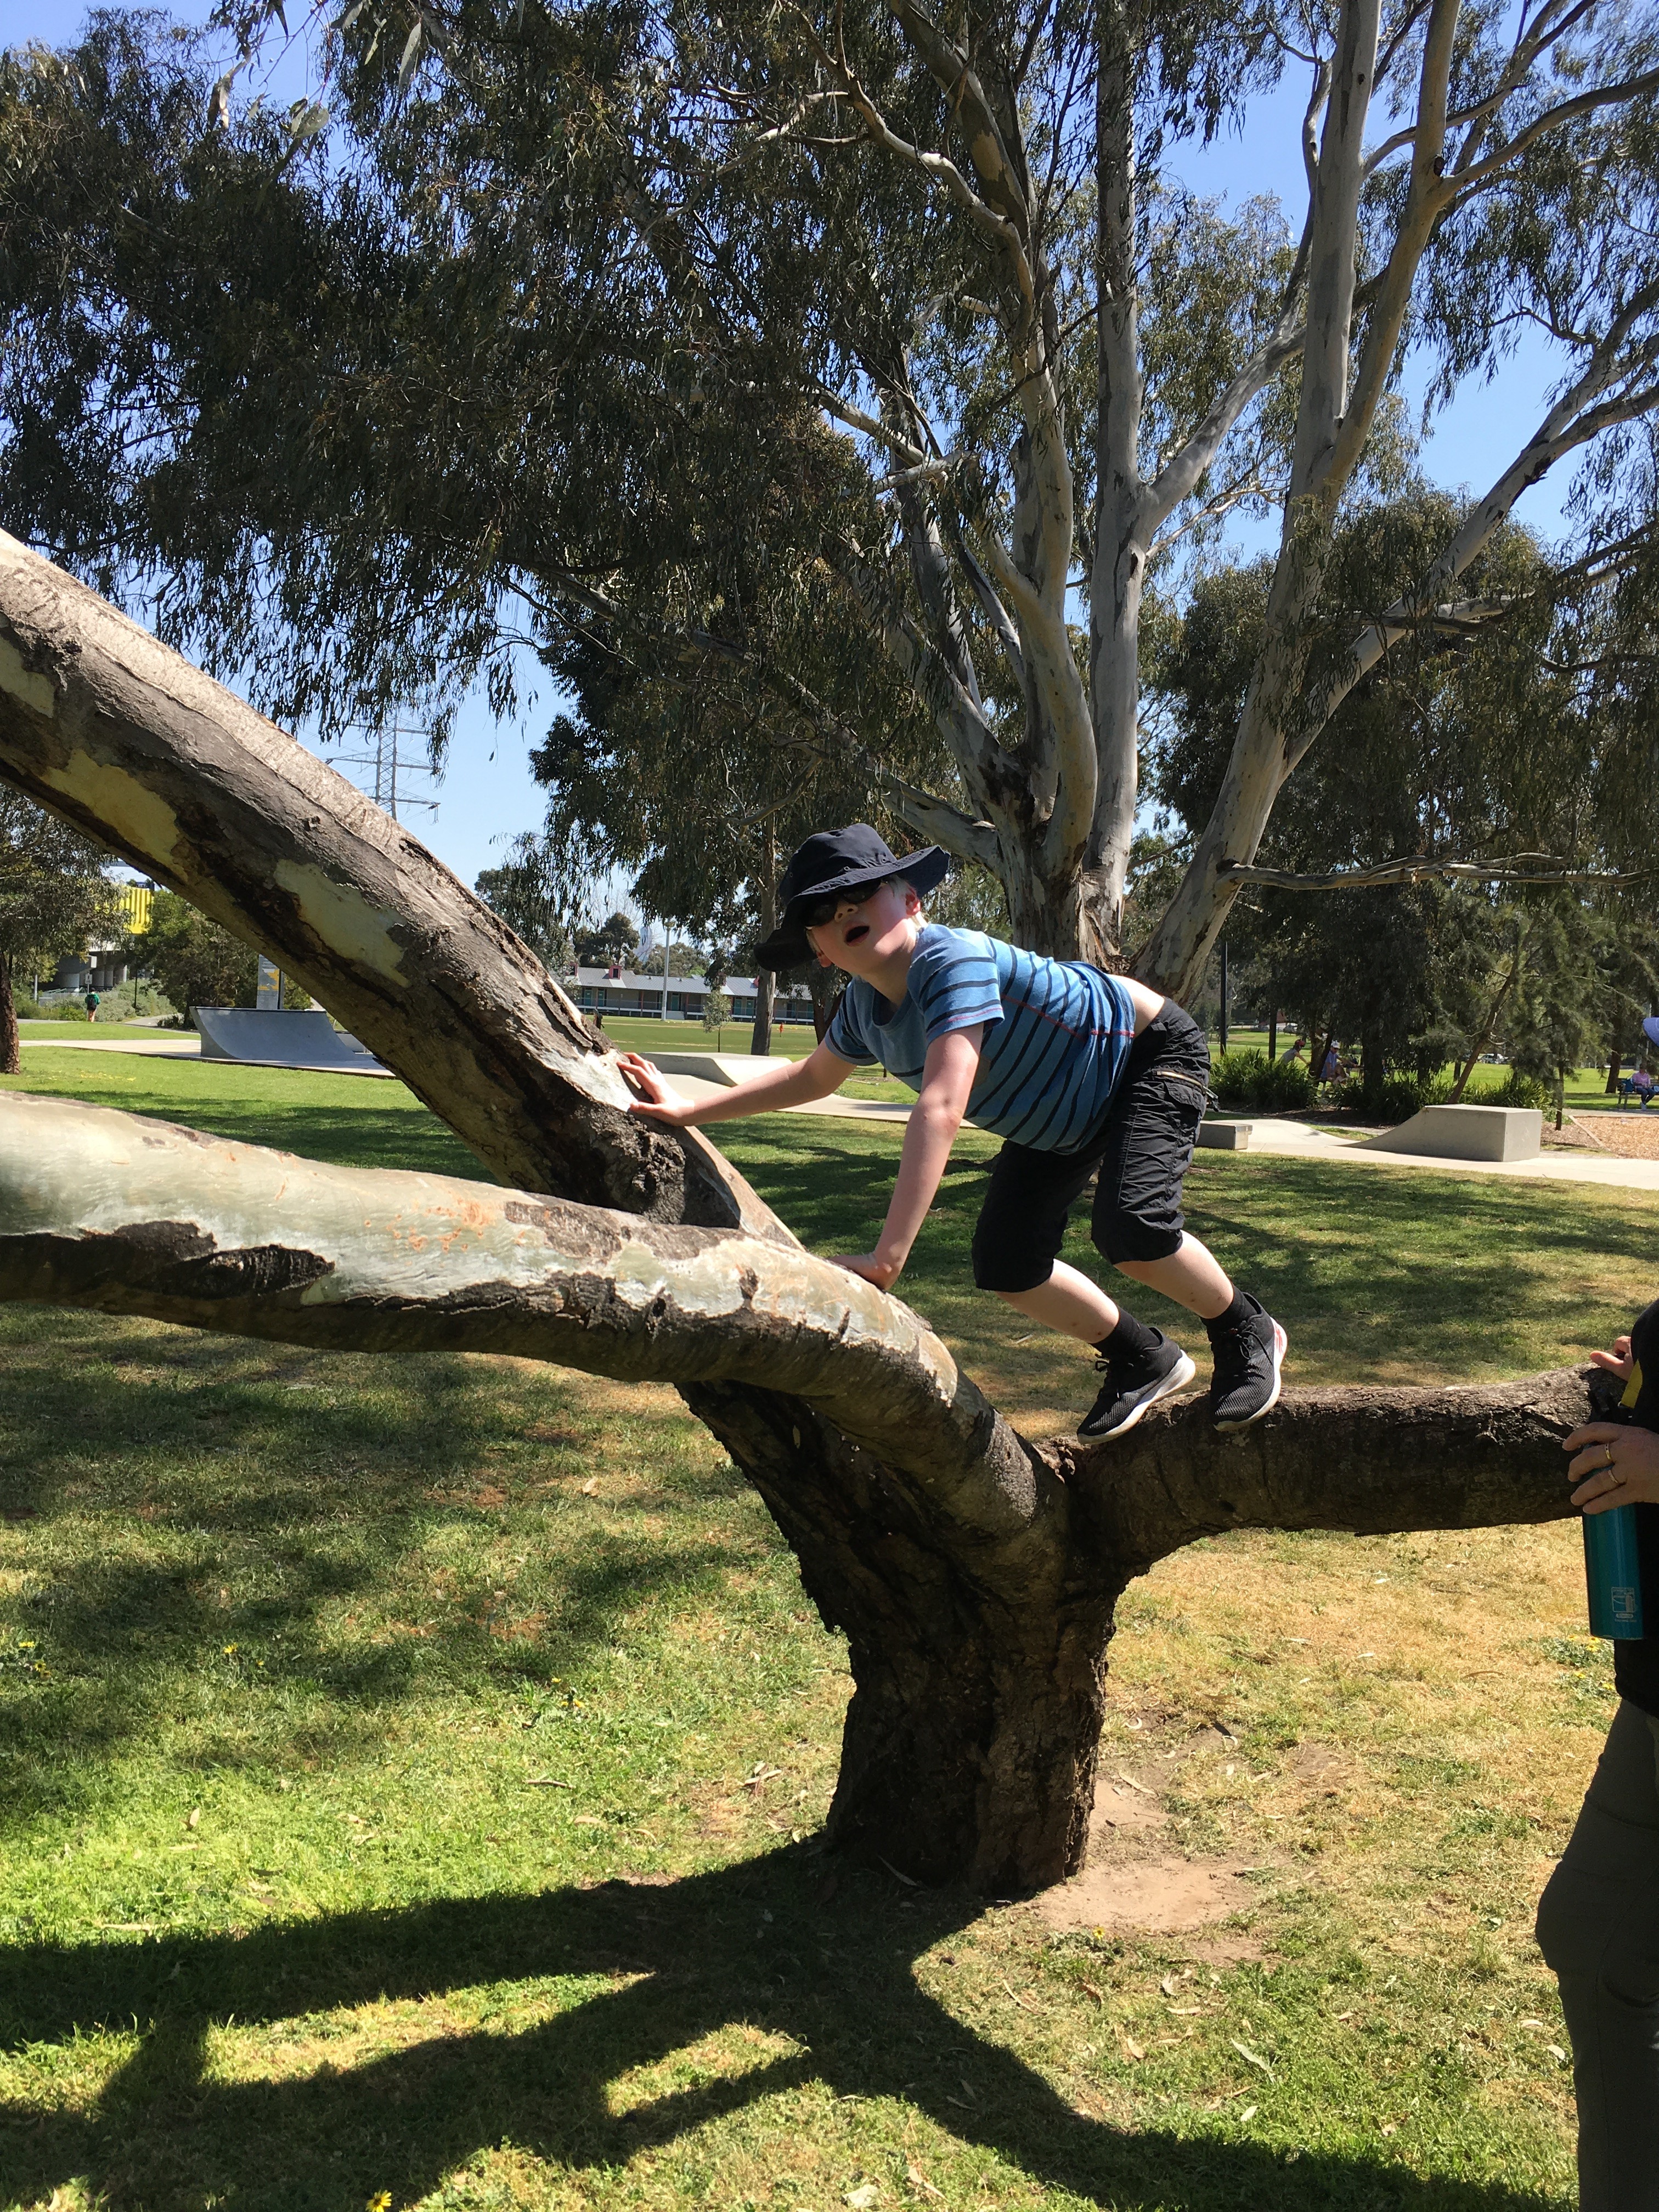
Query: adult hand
{"points": [[656, 1101], [1613, 1465], [884, 1274]]}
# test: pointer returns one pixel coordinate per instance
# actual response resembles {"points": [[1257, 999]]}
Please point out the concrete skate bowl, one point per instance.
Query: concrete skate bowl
{"points": [[262, 1038]]}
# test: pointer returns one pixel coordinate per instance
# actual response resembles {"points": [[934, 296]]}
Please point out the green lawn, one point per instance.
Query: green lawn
{"points": [[412, 1769]]}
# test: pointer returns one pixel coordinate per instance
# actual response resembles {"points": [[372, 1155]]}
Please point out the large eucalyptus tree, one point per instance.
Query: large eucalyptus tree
{"points": [[974, 1572], [870, 357]]}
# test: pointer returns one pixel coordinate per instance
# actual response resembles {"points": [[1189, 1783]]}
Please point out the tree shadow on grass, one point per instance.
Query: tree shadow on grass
{"points": [[756, 1944], [197, 1498]]}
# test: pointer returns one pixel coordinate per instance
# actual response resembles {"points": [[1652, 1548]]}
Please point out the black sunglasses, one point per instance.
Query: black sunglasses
{"points": [[823, 912]]}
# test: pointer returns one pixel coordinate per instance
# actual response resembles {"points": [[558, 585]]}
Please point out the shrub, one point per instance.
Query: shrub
{"points": [[1249, 1079], [1518, 1089]]}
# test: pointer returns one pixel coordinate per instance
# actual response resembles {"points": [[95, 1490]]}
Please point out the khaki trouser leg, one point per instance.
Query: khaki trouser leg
{"points": [[1598, 1926]]}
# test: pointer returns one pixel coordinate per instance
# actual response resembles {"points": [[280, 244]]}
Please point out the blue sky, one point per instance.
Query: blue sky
{"points": [[487, 793]]}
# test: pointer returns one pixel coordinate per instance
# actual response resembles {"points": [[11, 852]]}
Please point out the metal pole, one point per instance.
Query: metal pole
{"points": [[667, 940]]}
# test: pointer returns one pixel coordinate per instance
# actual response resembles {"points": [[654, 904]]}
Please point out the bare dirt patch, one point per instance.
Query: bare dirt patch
{"points": [[1166, 1896], [1132, 1883]]}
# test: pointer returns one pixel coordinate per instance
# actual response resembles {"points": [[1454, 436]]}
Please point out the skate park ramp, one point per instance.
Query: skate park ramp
{"points": [[261, 1036], [1467, 1132]]}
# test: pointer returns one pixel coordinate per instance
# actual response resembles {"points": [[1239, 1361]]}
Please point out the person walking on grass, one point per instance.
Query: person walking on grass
{"points": [[92, 1003], [1076, 1070], [1598, 1920]]}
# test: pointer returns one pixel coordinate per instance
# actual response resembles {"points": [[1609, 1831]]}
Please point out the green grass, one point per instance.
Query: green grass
{"points": [[293, 1650]]}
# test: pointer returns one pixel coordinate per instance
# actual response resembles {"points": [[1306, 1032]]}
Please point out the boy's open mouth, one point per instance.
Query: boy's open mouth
{"points": [[854, 931]]}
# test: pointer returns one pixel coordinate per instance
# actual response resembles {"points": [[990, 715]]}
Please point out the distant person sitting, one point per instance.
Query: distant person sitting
{"points": [[1643, 1085]]}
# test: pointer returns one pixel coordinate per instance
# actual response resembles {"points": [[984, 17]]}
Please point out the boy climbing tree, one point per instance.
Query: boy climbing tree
{"points": [[1078, 1071]]}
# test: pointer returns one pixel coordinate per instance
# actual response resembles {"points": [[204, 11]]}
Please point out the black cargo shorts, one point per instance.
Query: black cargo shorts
{"points": [[1142, 1149]]}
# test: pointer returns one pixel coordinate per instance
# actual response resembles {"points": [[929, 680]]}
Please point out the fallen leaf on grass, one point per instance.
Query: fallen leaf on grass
{"points": [[546, 1782], [862, 2199], [918, 2179], [1024, 2004], [1168, 1985], [195, 1819], [1133, 2048], [1090, 1990], [591, 1487], [909, 1880], [1247, 2115], [1556, 2052], [587, 1821], [1253, 2057]]}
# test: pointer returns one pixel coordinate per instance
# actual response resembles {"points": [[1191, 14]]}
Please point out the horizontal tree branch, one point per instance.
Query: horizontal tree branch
{"points": [[1416, 870], [125, 1215], [1366, 1461], [120, 1214]]}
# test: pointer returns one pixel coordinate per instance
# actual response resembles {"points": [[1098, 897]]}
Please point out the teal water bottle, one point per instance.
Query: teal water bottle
{"points": [[1614, 1573]]}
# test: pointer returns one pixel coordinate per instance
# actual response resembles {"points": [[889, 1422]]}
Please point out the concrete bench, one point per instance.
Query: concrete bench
{"points": [[1467, 1132], [1225, 1136]]}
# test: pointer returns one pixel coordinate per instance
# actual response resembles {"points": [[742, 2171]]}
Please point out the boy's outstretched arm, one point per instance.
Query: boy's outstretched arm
{"points": [[947, 1078], [784, 1083]]}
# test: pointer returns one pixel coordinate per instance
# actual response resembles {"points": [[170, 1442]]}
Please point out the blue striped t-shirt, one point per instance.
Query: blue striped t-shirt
{"points": [[1057, 1033]]}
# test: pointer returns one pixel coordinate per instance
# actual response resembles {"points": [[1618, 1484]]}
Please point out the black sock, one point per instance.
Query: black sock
{"points": [[1235, 1314], [1131, 1338]]}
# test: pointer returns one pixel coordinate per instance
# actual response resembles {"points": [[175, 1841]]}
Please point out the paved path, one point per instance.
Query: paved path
{"points": [[177, 1046], [1295, 1140]]}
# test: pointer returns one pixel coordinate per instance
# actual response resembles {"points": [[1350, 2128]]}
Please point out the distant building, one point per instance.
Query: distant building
{"points": [[102, 967], [604, 991]]}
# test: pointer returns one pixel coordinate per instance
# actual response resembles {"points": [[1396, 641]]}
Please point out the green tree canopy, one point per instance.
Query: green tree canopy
{"points": [[824, 359], [55, 898], [1525, 741]]}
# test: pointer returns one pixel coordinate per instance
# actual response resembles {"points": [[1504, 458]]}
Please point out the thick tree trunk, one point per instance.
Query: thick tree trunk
{"points": [[11, 1057], [825, 986], [760, 1037]]}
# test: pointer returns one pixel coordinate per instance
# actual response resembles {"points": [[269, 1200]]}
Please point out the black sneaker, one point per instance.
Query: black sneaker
{"points": [[1248, 1360], [1134, 1384]]}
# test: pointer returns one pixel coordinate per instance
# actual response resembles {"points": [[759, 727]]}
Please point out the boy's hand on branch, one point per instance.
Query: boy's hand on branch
{"points": [[656, 1101], [884, 1274], [1617, 1362]]}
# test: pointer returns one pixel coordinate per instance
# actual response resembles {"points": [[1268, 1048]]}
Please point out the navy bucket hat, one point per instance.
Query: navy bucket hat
{"points": [[833, 862]]}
